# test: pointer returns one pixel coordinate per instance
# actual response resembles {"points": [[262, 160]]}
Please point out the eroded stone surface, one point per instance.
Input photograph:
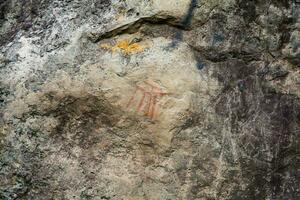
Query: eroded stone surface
{"points": [[180, 99]]}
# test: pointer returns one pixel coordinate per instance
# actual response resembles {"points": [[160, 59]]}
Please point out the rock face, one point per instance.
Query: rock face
{"points": [[150, 99]]}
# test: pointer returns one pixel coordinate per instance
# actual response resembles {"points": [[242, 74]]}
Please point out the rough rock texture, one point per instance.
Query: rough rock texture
{"points": [[150, 99]]}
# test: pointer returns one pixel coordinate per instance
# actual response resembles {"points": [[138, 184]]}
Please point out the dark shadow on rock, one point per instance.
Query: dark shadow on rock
{"points": [[269, 145]]}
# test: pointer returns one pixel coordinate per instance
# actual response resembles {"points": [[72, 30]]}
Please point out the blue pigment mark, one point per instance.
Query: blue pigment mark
{"points": [[188, 19], [200, 65], [241, 85], [217, 38], [185, 23]]}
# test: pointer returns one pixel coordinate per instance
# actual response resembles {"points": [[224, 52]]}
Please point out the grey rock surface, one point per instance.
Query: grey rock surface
{"points": [[150, 99]]}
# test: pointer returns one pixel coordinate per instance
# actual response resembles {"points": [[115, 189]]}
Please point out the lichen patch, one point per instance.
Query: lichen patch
{"points": [[125, 46]]}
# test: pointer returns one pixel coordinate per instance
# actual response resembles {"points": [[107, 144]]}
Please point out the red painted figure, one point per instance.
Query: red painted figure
{"points": [[150, 94]]}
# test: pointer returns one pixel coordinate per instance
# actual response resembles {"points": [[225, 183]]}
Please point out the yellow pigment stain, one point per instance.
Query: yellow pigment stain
{"points": [[125, 46]]}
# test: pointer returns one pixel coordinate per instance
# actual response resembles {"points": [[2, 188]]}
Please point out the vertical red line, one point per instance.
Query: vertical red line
{"points": [[132, 97], [141, 102], [152, 113], [150, 103], [147, 105]]}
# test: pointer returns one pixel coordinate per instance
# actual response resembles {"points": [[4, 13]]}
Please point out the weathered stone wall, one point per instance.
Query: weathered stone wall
{"points": [[150, 99]]}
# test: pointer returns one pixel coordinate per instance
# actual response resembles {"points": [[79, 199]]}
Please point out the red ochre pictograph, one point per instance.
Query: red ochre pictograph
{"points": [[145, 98]]}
